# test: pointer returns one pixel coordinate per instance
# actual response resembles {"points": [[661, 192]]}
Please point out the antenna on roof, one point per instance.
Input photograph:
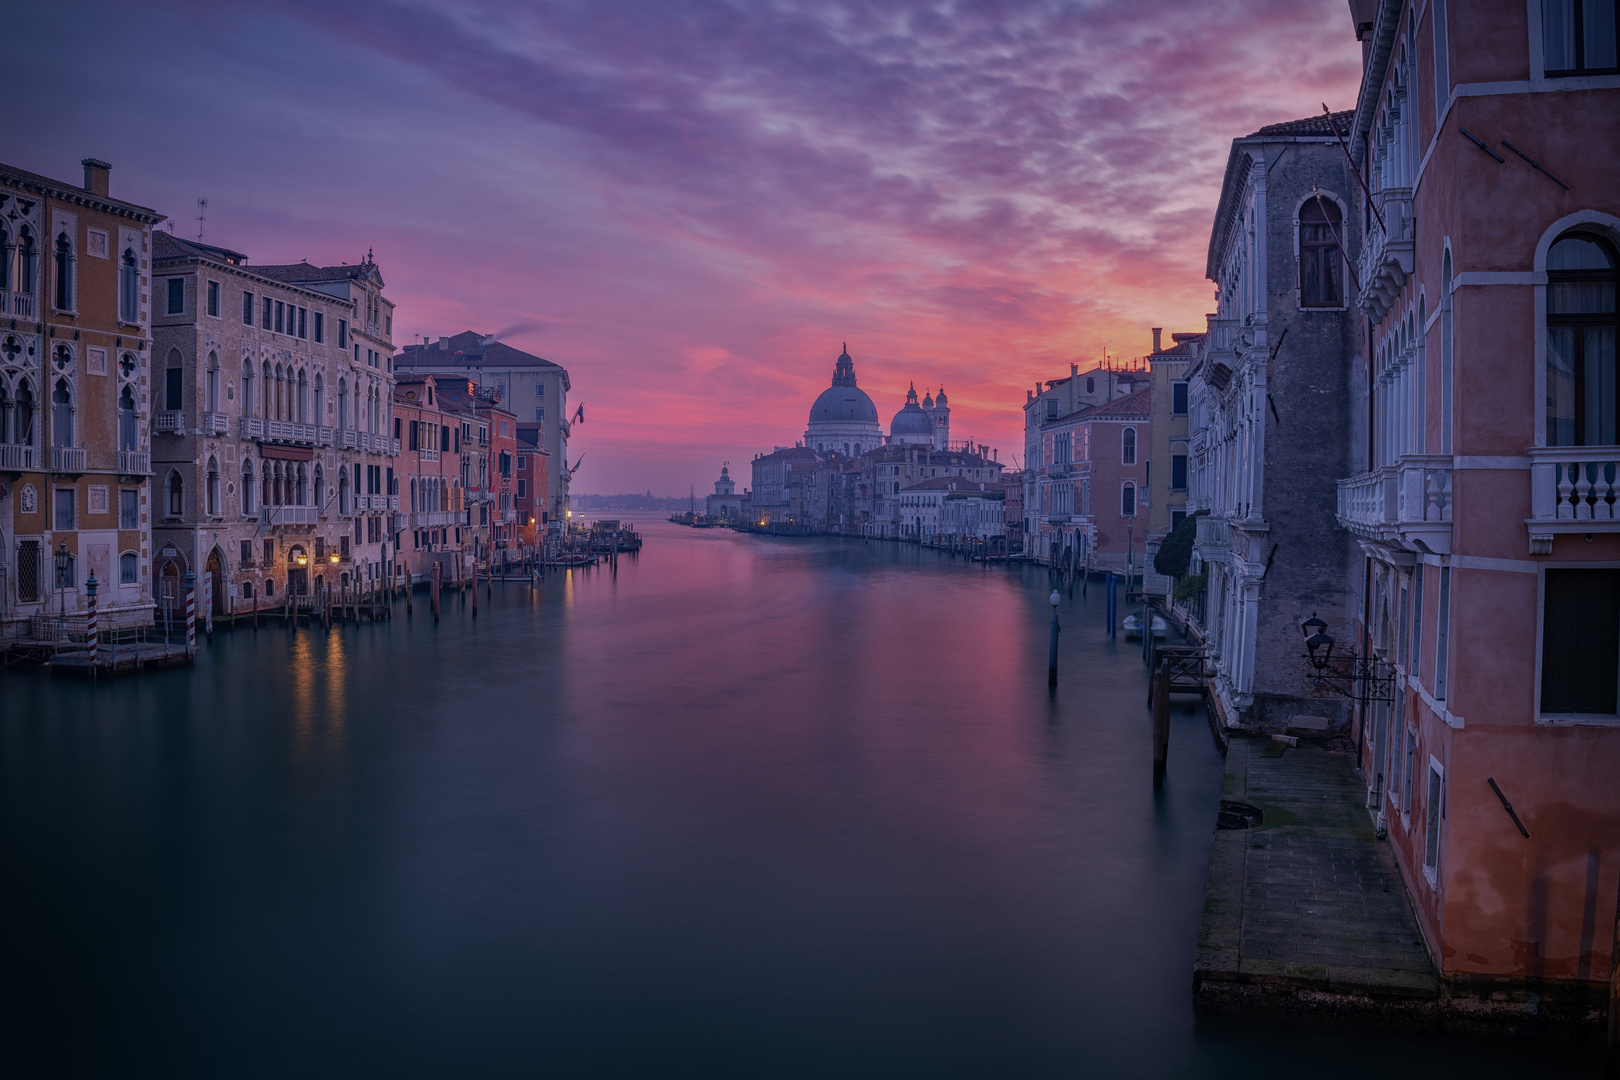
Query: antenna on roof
{"points": [[202, 215]]}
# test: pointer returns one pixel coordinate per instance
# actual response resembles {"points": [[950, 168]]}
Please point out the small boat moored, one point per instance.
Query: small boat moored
{"points": [[1132, 625]]}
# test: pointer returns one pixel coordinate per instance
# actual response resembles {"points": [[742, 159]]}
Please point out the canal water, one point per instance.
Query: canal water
{"points": [[748, 807]]}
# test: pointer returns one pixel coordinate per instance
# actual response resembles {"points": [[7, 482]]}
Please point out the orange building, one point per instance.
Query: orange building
{"points": [[75, 399]]}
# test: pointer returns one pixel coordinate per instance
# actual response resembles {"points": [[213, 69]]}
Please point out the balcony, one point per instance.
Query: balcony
{"points": [[251, 427], [1386, 253], [215, 423], [292, 515], [287, 431], [323, 436], [1405, 505], [1573, 489], [18, 304], [348, 439], [16, 458], [68, 459], [432, 519], [135, 462], [1213, 538], [169, 423], [428, 455]]}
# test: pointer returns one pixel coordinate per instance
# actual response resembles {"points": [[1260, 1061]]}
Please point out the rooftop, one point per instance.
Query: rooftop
{"points": [[1309, 125], [468, 349]]}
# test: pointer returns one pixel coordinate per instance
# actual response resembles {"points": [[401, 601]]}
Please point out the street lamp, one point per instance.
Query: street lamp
{"points": [[1318, 642], [64, 561], [1361, 679]]}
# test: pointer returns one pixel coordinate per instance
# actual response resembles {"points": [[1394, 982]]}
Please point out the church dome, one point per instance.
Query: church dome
{"points": [[843, 405], [911, 420]]}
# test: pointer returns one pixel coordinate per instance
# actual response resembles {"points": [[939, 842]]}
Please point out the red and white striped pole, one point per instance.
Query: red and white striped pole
{"points": [[191, 613], [92, 638]]}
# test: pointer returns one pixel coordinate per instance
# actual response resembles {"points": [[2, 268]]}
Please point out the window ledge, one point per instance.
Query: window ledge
{"points": [[1431, 877], [1578, 720]]}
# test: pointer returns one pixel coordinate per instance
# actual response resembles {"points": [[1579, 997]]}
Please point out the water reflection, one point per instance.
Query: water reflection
{"points": [[748, 807]]}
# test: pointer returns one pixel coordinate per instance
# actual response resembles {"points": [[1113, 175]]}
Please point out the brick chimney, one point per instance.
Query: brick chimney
{"points": [[444, 344], [1157, 330], [95, 175]]}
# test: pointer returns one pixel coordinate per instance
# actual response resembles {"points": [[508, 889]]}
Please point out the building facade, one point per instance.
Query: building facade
{"points": [[1169, 454], [1483, 486], [1269, 417], [725, 504], [75, 399], [271, 443], [1048, 402], [533, 389], [1091, 485]]}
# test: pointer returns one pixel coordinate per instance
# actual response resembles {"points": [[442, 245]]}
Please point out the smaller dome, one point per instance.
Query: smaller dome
{"points": [[940, 400], [928, 401], [910, 420]]}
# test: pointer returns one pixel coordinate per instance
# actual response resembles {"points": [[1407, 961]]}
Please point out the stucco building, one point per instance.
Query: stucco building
{"points": [[1483, 485], [75, 399], [271, 437]]}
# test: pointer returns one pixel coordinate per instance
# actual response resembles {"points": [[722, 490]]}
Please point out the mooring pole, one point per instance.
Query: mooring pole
{"points": [[92, 639], [433, 599], [191, 613], [1051, 648], [1161, 723]]}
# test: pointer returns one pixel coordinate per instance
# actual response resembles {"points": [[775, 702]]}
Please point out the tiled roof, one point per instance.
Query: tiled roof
{"points": [[303, 273], [1131, 406], [64, 190], [168, 246], [1309, 125], [1182, 347], [467, 349]]}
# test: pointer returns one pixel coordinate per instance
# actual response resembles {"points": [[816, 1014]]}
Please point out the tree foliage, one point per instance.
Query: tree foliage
{"points": [[1175, 550]]}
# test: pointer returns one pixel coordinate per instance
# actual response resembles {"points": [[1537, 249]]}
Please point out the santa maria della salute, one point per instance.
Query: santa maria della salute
{"points": [[848, 477], [845, 421]]}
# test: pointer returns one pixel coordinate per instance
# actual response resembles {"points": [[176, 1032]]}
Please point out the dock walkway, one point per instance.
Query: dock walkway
{"points": [[1305, 915]]}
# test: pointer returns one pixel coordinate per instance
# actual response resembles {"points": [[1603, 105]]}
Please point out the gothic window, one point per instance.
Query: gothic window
{"points": [[62, 414], [1583, 398], [177, 493], [129, 287], [212, 490], [1578, 37], [267, 495], [173, 382], [320, 487], [64, 273], [127, 435], [22, 416], [5, 259], [213, 383], [319, 386], [1320, 276], [1127, 455], [301, 489], [343, 404], [247, 388], [27, 260], [247, 487], [303, 398]]}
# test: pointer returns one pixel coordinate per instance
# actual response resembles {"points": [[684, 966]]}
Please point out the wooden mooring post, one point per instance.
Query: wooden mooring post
{"points": [[1161, 722], [433, 597]]}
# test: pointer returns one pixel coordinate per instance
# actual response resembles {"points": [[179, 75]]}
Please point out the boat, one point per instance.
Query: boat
{"points": [[1132, 625]]}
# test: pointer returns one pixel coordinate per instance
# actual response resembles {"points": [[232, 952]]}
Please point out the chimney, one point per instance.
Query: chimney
{"points": [[1074, 369], [95, 175], [1157, 330], [444, 344]]}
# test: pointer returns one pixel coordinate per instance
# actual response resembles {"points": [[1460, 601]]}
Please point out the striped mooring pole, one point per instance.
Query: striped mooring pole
{"points": [[191, 613], [92, 638]]}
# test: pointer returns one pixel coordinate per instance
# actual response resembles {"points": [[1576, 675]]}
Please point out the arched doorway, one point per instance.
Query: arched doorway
{"points": [[297, 571], [215, 568], [171, 597]]}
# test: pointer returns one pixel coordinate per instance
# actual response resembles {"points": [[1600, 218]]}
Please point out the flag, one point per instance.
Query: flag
{"points": [[579, 414]]}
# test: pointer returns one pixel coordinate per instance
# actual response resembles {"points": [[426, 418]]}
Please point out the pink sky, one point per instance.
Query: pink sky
{"points": [[690, 205]]}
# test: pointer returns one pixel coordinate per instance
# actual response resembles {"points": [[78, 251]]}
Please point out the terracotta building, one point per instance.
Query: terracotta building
{"points": [[1091, 483], [75, 398], [1484, 486]]}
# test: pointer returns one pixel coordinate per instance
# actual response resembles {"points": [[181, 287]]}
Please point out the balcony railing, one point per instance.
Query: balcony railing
{"points": [[135, 462], [348, 439], [1572, 489], [68, 459], [169, 423], [1213, 536], [323, 436], [1387, 253], [1407, 504], [428, 455], [18, 304], [16, 457], [288, 431], [292, 515], [214, 423], [429, 519], [252, 427]]}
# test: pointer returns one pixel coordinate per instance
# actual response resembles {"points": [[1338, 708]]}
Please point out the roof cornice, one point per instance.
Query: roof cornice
{"points": [[1372, 74]]}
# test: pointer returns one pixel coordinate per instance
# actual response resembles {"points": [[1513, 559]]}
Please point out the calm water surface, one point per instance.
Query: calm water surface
{"points": [[750, 807]]}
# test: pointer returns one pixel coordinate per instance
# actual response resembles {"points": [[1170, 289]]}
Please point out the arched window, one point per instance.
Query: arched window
{"points": [[247, 388], [129, 287], [129, 569], [22, 417], [343, 492], [5, 259], [320, 488], [247, 485], [281, 398], [267, 394], [1127, 447], [301, 493], [1127, 500], [267, 478], [1445, 354], [303, 398], [343, 404], [177, 495], [212, 489], [1320, 278], [62, 414], [319, 417], [27, 259], [174, 382], [1583, 399], [1091, 386], [127, 433], [64, 273], [213, 383]]}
